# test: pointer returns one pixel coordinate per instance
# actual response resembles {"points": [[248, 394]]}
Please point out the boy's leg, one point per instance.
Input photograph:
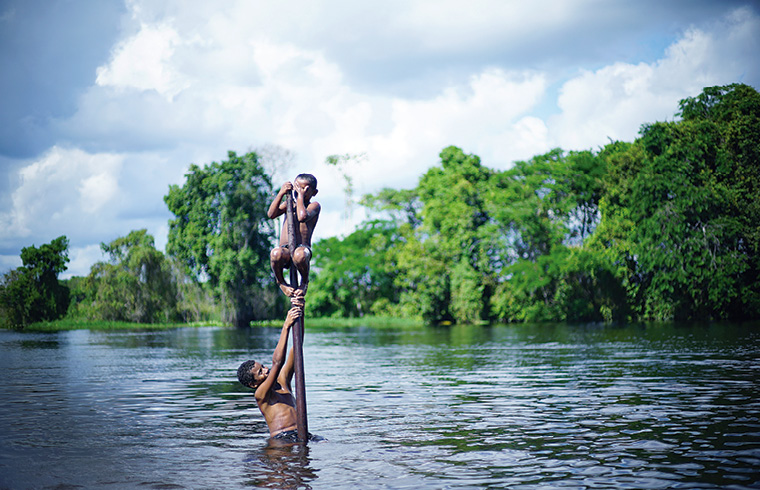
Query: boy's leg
{"points": [[301, 259], [279, 258]]}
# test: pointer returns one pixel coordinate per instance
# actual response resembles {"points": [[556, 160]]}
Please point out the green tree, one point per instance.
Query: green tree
{"points": [[665, 227], [530, 203], [445, 272], [32, 292], [545, 209], [135, 285], [402, 206], [695, 206], [354, 276], [222, 235], [680, 214], [343, 162], [195, 302], [613, 243]]}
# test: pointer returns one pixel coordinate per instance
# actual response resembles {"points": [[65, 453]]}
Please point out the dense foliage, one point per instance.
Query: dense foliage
{"points": [[682, 213], [357, 276], [666, 227], [221, 234], [32, 292], [136, 284]]}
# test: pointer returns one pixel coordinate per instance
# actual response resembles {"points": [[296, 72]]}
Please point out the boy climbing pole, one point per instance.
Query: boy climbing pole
{"points": [[307, 214], [273, 392]]}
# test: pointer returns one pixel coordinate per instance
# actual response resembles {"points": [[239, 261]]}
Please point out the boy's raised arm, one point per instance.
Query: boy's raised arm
{"points": [[286, 374], [278, 357], [278, 206]]}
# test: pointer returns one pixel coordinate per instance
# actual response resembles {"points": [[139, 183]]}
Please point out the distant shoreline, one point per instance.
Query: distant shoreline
{"points": [[366, 321]]}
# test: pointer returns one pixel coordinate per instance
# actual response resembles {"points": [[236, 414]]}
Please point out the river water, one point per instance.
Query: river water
{"points": [[525, 406]]}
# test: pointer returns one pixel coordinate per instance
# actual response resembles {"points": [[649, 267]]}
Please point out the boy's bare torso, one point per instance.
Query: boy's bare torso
{"points": [[304, 230], [279, 410]]}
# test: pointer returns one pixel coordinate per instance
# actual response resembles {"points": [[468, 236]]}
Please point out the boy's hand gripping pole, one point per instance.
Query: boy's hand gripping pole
{"points": [[302, 425]]}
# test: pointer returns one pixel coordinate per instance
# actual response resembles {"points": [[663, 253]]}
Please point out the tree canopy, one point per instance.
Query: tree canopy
{"points": [[32, 292], [221, 234], [136, 284]]}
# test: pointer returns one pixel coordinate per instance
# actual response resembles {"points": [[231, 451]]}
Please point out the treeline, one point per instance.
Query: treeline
{"points": [[665, 227]]}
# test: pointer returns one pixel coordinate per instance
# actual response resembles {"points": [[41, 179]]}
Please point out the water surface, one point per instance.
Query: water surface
{"points": [[541, 406]]}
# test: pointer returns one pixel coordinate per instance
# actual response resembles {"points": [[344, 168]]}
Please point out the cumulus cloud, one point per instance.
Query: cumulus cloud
{"points": [[140, 63], [612, 102], [300, 98], [291, 96], [81, 260], [477, 117], [65, 191], [59, 188], [482, 22], [89, 197]]}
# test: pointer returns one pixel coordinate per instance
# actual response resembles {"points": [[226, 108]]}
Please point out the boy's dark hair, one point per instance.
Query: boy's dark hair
{"points": [[308, 178], [244, 374]]}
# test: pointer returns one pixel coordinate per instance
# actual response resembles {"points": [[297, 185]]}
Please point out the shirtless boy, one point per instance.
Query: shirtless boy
{"points": [[273, 393], [307, 214]]}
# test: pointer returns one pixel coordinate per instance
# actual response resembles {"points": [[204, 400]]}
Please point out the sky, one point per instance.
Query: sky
{"points": [[106, 103]]}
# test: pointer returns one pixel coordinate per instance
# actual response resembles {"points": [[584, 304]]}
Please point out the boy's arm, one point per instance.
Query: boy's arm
{"points": [[278, 358], [308, 213], [279, 206], [286, 374]]}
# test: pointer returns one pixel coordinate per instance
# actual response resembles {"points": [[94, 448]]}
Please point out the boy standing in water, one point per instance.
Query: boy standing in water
{"points": [[307, 214], [274, 395]]}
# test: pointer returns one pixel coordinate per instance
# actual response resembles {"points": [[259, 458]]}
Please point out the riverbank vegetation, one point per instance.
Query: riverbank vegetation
{"points": [[666, 227]]}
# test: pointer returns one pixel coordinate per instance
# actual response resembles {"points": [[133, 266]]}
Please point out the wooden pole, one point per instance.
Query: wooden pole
{"points": [[302, 424]]}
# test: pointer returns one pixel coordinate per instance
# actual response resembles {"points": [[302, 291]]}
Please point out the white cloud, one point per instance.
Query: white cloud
{"points": [[8, 262], [614, 101], [57, 190], [89, 197], [81, 260], [96, 191], [609, 103], [142, 62], [452, 25], [479, 117], [299, 98], [296, 98]]}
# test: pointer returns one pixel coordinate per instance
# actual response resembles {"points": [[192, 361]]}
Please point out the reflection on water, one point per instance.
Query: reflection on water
{"points": [[543, 406], [280, 465]]}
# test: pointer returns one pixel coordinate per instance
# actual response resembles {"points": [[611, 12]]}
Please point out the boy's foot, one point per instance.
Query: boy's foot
{"points": [[289, 291]]}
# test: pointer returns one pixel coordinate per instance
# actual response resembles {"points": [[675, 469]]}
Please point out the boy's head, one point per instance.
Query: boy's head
{"points": [[252, 373], [309, 179], [308, 182]]}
